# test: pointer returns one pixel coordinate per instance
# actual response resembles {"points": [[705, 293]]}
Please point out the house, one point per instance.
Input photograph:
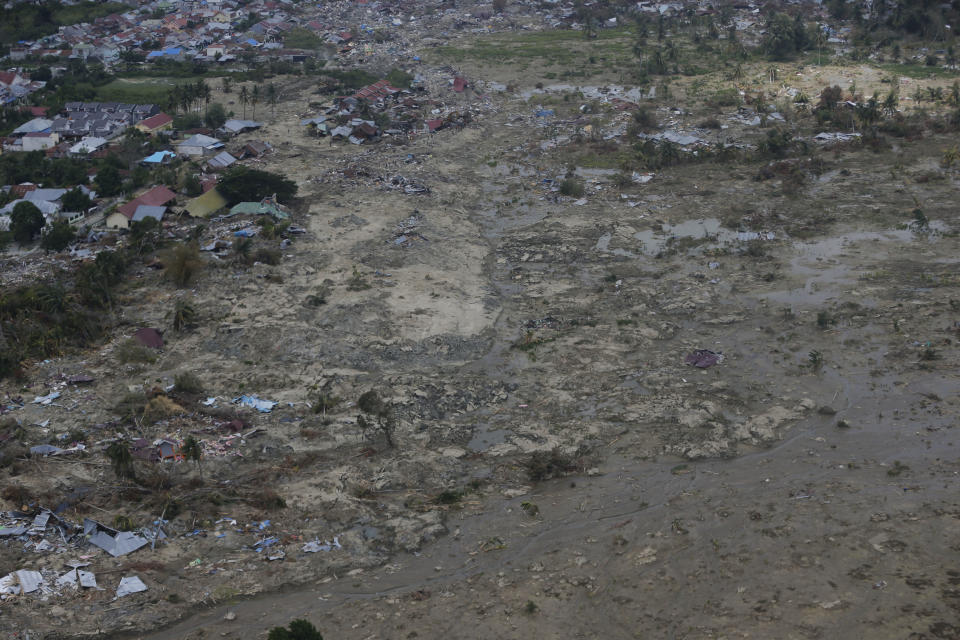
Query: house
{"points": [[264, 207], [255, 149], [206, 205], [39, 141], [156, 124], [234, 126], [157, 196], [37, 125], [220, 161], [87, 145], [148, 211], [159, 157], [199, 145]]}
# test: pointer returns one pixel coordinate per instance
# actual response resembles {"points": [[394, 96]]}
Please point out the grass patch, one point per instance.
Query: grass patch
{"points": [[559, 47], [147, 91], [918, 71]]}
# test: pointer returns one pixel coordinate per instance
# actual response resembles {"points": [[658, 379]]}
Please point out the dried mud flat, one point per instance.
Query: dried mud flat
{"points": [[777, 493]]}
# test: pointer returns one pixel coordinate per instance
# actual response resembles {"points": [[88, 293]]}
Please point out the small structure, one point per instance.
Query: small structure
{"points": [[159, 157], [199, 145], [234, 126], [155, 124], [39, 141], [149, 337], [220, 161], [206, 205], [145, 211], [265, 207], [121, 218], [87, 145]]}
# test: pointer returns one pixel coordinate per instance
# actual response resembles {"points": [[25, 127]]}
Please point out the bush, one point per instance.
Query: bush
{"points": [[187, 382], [58, 237], [183, 263], [268, 500], [573, 187], [267, 256], [296, 630], [132, 352], [543, 465]]}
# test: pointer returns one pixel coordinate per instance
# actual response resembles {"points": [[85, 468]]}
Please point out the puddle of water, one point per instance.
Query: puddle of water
{"points": [[593, 92], [653, 242], [483, 439]]}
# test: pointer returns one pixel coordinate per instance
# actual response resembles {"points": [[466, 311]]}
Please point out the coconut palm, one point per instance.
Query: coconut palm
{"points": [[244, 98], [254, 99], [192, 450]]}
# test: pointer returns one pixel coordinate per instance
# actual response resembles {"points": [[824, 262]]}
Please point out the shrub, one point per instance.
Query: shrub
{"points": [[132, 352], [58, 237], [183, 263], [543, 465], [268, 500], [572, 187], [187, 382], [267, 256], [296, 630]]}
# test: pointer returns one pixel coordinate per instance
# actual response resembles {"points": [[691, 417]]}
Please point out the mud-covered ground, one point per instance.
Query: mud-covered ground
{"points": [[802, 487]]}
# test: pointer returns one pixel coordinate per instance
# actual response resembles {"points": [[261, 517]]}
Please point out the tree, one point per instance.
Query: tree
{"points": [[76, 201], [254, 99], [242, 184], [215, 116], [108, 181], [58, 237], [272, 97], [192, 186], [193, 451], [779, 42], [371, 403], [227, 84], [26, 221], [121, 460], [296, 630], [244, 98], [145, 235], [184, 313]]}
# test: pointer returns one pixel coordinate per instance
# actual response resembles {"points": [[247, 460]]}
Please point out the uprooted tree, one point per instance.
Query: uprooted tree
{"points": [[383, 421]]}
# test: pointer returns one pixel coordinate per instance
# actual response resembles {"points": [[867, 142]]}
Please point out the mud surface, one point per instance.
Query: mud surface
{"points": [[804, 486]]}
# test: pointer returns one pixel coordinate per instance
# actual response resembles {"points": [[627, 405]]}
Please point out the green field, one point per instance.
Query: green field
{"points": [[559, 47], [139, 91]]}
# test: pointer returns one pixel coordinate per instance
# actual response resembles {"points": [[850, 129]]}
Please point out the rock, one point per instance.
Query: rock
{"points": [[826, 410], [230, 615]]}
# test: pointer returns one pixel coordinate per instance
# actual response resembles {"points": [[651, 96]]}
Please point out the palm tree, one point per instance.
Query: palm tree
{"points": [[226, 84], [192, 450], [254, 99], [206, 94], [272, 97], [244, 98]]}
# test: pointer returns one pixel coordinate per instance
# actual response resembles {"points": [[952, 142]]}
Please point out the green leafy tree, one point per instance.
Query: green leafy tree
{"points": [[26, 221], [76, 200], [215, 116], [242, 184], [58, 237], [296, 630], [108, 181], [121, 460], [779, 42], [183, 314], [193, 451]]}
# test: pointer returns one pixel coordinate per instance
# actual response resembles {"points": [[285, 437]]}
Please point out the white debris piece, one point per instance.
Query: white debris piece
{"points": [[129, 585]]}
